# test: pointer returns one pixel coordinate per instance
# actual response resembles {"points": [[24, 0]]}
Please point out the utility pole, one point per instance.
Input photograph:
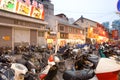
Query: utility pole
{"points": [[56, 46]]}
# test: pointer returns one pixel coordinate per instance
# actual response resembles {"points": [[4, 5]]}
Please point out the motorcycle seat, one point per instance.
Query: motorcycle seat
{"points": [[84, 74]]}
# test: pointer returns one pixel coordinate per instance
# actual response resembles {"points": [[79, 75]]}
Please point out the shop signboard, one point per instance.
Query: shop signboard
{"points": [[90, 32], [24, 7], [8, 5], [115, 34], [6, 38]]}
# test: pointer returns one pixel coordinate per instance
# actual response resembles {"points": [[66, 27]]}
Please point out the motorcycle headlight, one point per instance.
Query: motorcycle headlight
{"points": [[21, 76]]}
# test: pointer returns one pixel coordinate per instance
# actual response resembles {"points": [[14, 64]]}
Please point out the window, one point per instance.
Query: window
{"points": [[91, 26], [64, 35], [70, 29], [61, 28], [81, 32], [41, 34], [76, 31]]}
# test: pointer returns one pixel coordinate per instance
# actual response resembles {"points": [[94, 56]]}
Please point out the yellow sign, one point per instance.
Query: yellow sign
{"points": [[90, 32], [6, 38]]}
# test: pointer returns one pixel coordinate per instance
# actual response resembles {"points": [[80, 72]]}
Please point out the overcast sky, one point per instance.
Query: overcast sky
{"points": [[97, 10]]}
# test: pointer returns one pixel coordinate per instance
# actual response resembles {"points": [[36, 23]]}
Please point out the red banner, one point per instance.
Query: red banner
{"points": [[115, 34]]}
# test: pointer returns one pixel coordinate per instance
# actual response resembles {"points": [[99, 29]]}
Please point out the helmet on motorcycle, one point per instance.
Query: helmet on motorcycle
{"points": [[43, 46], [8, 58], [56, 59]]}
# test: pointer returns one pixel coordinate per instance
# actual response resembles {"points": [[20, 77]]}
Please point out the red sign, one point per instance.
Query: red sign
{"points": [[100, 30], [115, 34]]}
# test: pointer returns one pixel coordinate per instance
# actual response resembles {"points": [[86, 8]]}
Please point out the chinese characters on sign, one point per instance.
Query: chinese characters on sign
{"points": [[24, 7], [115, 34]]}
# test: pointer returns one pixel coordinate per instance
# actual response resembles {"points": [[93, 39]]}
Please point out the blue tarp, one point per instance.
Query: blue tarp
{"points": [[81, 45]]}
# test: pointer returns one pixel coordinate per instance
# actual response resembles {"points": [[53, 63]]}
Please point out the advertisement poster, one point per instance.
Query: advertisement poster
{"points": [[8, 5], [37, 11], [90, 32], [24, 7]]}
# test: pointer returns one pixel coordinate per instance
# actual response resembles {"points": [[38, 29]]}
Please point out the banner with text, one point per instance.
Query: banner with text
{"points": [[115, 34], [25, 7]]}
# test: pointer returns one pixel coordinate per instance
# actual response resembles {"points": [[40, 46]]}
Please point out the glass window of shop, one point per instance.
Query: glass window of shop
{"points": [[63, 35], [41, 34]]}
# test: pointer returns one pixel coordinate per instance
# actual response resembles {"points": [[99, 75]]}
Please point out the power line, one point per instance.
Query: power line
{"points": [[103, 14], [81, 12]]}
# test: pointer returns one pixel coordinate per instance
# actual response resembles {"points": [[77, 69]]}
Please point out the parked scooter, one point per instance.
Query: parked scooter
{"points": [[51, 69], [28, 61], [20, 71], [6, 72], [83, 68]]}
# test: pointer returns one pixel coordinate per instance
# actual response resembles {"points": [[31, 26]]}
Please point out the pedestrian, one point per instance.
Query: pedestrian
{"points": [[67, 45], [100, 50]]}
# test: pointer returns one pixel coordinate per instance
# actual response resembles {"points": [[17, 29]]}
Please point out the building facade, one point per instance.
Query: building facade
{"points": [[94, 31], [68, 33], [16, 29], [64, 32]]}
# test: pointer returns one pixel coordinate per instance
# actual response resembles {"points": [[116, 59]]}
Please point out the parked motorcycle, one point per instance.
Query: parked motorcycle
{"points": [[32, 65], [6, 72], [83, 68], [20, 71], [51, 69]]}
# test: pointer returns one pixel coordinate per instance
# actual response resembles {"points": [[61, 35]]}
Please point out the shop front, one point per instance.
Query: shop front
{"points": [[62, 39], [76, 38], [17, 29], [51, 40], [21, 22], [21, 35], [5, 36], [102, 39], [97, 35]]}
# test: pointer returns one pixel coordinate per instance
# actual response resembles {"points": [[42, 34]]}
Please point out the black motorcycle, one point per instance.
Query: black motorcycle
{"points": [[83, 68], [6, 72]]}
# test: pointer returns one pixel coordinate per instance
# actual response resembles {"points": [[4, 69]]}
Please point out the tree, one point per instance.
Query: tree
{"points": [[106, 25], [116, 24]]}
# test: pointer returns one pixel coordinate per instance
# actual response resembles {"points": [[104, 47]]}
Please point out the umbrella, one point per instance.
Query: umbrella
{"points": [[107, 69]]}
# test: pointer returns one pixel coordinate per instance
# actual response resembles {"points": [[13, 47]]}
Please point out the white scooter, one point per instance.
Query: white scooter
{"points": [[20, 71]]}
